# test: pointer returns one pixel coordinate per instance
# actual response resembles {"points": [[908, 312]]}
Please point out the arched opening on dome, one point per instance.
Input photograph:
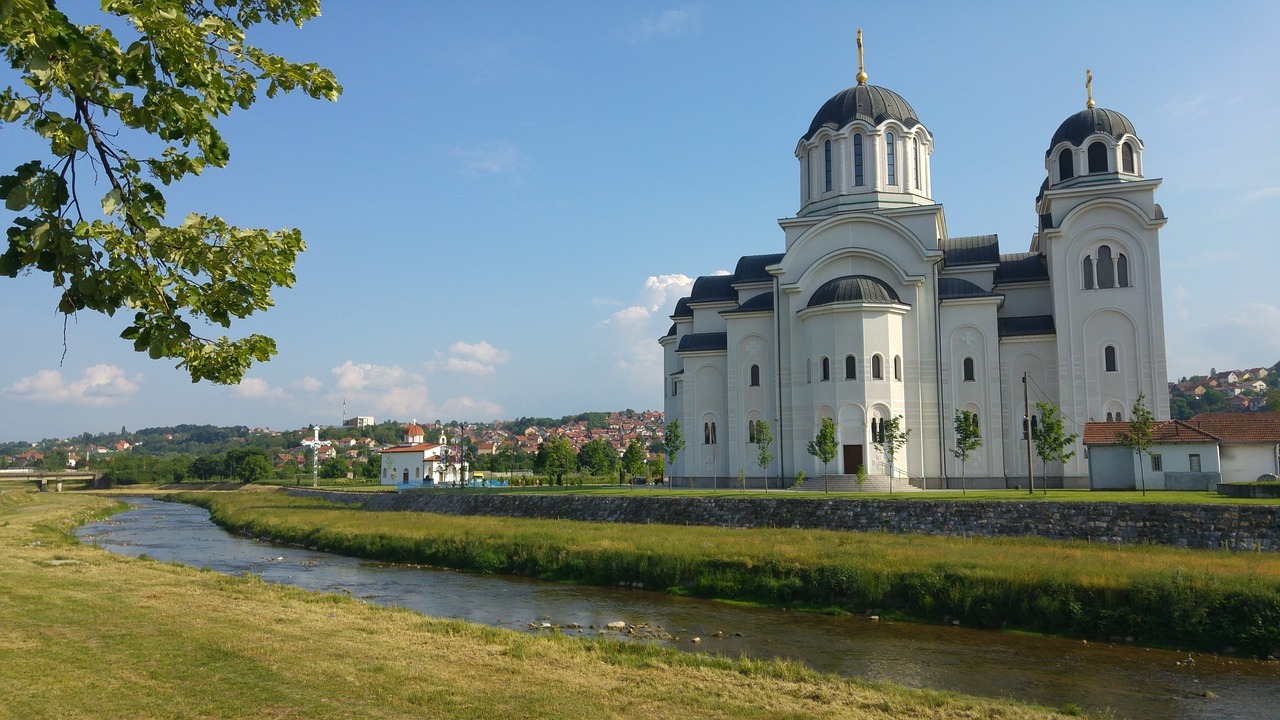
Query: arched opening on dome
{"points": [[897, 367], [877, 368], [850, 367], [826, 166], [890, 157], [826, 369], [1066, 165], [857, 159], [1097, 157], [1126, 156], [1122, 270], [915, 156]]}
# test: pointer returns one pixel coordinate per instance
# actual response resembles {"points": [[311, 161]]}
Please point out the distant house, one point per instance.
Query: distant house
{"points": [[1196, 454]]}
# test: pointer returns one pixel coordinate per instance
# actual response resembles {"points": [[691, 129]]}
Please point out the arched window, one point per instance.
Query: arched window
{"points": [[915, 156], [755, 376], [1126, 156], [1119, 416], [897, 367], [1034, 426], [1122, 270], [850, 367], [890, 153], [1109, 358], [713, 432], [875, 430], [826, 165], [1111, 417], [1087, 271], [968, 369], [877, 371], [1066, 165], [753, 433], [1097, 158], [675, 388], [826, 369], [406, 474], [857, 159], [1106, 268], [706, 433]]}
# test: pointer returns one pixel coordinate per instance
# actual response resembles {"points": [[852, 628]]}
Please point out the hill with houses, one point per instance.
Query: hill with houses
{"points": [[1243, 390]]}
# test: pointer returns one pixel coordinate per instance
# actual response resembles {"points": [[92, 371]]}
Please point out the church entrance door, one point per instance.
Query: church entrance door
{"points": [[852, 459]]}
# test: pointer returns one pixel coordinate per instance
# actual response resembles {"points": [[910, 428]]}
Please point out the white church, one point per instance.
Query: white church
{"points": [[416, 463], [874, 311]]}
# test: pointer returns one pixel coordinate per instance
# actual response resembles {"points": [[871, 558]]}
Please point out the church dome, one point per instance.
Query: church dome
{"points": [[871, 103], [854, 288], [1091, 121]]}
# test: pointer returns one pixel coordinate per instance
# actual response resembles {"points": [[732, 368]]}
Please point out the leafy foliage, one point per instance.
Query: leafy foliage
{"points": [[1051, 440], [673, 441], [556, 459], [1138, 437], [89, 94], [968, 438], [597, 457], [764, 448], [823, 446], [633, 459]]}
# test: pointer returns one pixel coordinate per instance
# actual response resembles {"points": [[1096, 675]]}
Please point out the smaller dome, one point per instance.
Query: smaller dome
{"points": [[854, 288], [413, 430], [1088, 122], [866, 102]]}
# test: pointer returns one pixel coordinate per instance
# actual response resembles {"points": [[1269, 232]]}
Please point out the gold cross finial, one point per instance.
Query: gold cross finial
{"points": [[862, 75], [1088, 86]]}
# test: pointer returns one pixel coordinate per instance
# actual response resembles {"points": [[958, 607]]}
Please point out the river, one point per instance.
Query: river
{"points": [[1130, 682]]}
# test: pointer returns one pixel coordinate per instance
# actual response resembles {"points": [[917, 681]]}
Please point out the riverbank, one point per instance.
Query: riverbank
{"points": [[1194, 600], [86, 634]]}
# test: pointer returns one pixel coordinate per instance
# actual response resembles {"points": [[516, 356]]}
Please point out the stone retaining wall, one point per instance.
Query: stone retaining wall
{"points": [[1236, 527]]}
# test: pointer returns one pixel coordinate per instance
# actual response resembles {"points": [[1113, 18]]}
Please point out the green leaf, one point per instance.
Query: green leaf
{"points": [[111, 201], [17, 199]]}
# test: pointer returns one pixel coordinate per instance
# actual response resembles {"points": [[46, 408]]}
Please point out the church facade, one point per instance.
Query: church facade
{"points": [[872, 311]]}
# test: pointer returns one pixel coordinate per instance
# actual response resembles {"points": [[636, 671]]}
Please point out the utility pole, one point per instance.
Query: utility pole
{"points": [[1026, 429]]}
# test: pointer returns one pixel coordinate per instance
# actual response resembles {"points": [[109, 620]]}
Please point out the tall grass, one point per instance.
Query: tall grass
{"points": [[1194, 600]]}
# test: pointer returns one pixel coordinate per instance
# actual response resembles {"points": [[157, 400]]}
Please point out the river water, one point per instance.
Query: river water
{"points": [[1130, 682]]}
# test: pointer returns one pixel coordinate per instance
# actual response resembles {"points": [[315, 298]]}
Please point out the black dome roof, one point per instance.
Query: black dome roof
{"points": [[1087, 122], [854, 288], [867, 102]]}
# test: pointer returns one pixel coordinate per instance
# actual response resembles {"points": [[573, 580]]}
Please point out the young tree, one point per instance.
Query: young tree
{"points": [[1051, 441], [1138, 437], [598, 458], [97, 101], [823, 446], [333, 468], [968, 439], [892, 438], [556, 459], [764, 449], [672, 442], [633, 459]]}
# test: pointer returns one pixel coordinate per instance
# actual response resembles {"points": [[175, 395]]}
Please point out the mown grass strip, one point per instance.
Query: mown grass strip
{"points": [[87, 634], [1193, 600]]}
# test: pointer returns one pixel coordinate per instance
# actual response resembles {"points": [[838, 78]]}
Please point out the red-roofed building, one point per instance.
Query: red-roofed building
{"points": [[1196, 454]]}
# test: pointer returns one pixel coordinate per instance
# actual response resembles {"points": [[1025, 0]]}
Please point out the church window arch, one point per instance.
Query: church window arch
{"points": [[877, 367], [826, 369], [1086, 271], [709, 430], [897, 367], [857, 159], [915, 157], [755, 376], [1126, 156], [753, 427], [1097, 157], [826, 165], [1106, 267], [1066, 165], [850, 367], [1122, 270], [1109, 358], [968, 370], [890, 157]]}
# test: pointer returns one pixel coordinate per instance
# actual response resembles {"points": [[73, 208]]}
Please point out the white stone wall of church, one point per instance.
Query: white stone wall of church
{"points": [[969, 331], [1038, 358], [750, 343], [709, 398]]}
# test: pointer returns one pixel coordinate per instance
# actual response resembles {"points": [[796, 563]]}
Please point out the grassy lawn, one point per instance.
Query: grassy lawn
{"points": [[1192, 599], [87, 634]]}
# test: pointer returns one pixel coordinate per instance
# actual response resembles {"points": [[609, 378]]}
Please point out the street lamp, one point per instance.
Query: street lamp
{"points": [[621, 454]]}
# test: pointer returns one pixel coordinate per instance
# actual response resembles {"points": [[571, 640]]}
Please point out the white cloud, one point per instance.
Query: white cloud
{"points": [[496, 157], [671, 23], [632, 333], [97, 386], [1247, 337], [1266, 193], [479, 358], [1180, 297], [468, 407], [307, 384], [382, 389], [258, 389]]}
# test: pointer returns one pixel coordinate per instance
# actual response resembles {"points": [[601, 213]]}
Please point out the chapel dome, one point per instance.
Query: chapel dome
{"points": [[871, 103], [1089, 122], [414, 430], [854, 288]]}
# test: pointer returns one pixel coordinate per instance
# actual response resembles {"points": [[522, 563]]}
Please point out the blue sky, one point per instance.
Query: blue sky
{"points": [[504, 205]]}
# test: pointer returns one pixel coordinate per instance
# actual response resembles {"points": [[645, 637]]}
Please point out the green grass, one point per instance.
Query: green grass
{"points": [[1196, 600], [87, 634]]}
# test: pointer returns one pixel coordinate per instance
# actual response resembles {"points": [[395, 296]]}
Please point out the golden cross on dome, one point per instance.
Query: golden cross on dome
{"points": [[1088, 86], [862, 75]]}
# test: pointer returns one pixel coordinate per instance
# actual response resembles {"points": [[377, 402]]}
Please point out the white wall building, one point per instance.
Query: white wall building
{"points": [[415, 463], [873, 310]]}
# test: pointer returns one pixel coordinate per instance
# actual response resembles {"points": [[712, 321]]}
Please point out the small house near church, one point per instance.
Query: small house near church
{"points": [[1195, 454]]}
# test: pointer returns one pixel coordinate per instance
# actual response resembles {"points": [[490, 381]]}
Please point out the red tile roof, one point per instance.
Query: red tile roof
{"points": [[1163, 432], [1254, 427], [421, 447]]}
